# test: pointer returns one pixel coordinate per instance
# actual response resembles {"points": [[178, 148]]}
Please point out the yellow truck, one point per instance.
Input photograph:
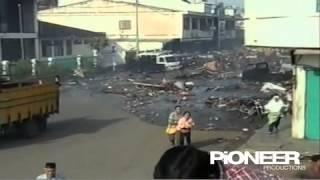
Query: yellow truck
{"points": [[26, 106]]}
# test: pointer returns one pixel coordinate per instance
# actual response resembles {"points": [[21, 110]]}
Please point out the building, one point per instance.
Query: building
{"points": [[227, 35], [59, 41], [306, 116], [292, 24], [301, 18], [18, 30], [157, 26]]}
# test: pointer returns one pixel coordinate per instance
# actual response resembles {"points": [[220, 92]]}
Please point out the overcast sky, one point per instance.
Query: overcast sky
{"points": [[230, 2]]}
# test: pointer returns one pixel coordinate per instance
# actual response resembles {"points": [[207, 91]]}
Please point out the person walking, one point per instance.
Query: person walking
{"points": [[184, 128], [274, 108], [172, 124]]}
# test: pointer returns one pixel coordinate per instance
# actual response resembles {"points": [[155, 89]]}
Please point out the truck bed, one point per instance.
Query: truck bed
{"points": [[22, 101]]}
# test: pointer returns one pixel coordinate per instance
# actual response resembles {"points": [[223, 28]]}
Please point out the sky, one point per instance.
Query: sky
{"points": [[238, 3]]}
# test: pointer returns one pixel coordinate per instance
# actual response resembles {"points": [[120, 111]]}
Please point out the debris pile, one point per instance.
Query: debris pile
{"points": [[209, 86]]}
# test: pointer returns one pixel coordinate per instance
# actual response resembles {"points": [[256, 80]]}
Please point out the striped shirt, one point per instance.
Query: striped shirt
{"points": [[233, 172]]}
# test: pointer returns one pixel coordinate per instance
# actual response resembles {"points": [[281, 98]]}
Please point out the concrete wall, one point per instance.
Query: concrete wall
{"points": [[298, 118], [82, 49], [173, 4], [285, 23], [77, 49], [66, 2], [153, 23]]}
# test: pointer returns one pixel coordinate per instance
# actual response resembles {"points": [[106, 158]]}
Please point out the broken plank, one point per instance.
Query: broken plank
{"points": [[149, 85]]}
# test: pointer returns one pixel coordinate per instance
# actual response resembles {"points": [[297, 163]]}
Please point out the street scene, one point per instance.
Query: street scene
{"points": [[145, 89]]}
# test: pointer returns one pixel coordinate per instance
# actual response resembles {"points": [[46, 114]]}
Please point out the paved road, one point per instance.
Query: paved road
{"points": [[92, 138]]}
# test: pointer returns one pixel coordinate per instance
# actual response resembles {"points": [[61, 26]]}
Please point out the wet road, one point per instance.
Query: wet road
{"points": [[93, 138]]}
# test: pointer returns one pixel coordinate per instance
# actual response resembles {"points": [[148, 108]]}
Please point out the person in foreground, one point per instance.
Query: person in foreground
{"points": [[187, 162], [50, 172]]}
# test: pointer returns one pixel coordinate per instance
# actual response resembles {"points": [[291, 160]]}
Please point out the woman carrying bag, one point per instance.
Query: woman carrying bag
{"points": [[184, 128], [172, 125]]}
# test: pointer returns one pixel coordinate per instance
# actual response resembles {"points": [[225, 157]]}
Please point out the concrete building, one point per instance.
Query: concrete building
{"points": [[18, 30], [292, 24], [58, 41], [226, 35], [156, 25]]}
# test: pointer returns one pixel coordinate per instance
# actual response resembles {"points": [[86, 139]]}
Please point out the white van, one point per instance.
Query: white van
{"points": [[166, 60]]}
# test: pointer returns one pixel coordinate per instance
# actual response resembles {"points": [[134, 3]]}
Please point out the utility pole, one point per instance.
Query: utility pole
{"points": [[21, 30], [137, 29], [219, 12]]}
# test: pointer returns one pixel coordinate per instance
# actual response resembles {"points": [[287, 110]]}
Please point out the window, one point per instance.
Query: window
{"points": [[210, 23], [69, 47], [230, 25], [262, 66], [318, 5], [125, 25], [203, 24], [186, 23], [171, 59], [161, 60], [194, 23], [58, 48], [46, 48], [77, 41]]}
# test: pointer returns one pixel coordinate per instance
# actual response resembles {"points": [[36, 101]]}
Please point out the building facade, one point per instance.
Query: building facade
{"points": [[296, 28], [60, 41], [156, 26], [285, 23], [306, 109], [18, 30]]}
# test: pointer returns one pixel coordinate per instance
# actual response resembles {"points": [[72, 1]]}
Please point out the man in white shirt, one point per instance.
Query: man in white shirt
{"points": [[50, 172]]}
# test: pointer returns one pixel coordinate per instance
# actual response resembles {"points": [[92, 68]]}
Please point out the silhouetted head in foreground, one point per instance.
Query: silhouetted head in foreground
{"points": [[314, 169], [50, 169], [186, 162]]}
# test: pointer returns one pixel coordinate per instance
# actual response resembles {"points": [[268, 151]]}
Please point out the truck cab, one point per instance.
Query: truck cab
{"points": [[159, 61], [170, 61]]}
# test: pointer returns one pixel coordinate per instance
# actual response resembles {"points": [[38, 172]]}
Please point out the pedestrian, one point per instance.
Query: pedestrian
{"points": [[172, 124], [313, 169], [187, 162], [274, 108], [50, 172], [57, 80], [184, 126]]}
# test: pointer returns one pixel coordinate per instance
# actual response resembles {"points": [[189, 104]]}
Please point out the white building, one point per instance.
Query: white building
{"points": [[292, 24], [157, 24], [285, 23]]}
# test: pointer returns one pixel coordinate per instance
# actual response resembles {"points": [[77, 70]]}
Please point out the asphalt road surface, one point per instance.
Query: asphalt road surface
{"points": [[92, 138]]}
